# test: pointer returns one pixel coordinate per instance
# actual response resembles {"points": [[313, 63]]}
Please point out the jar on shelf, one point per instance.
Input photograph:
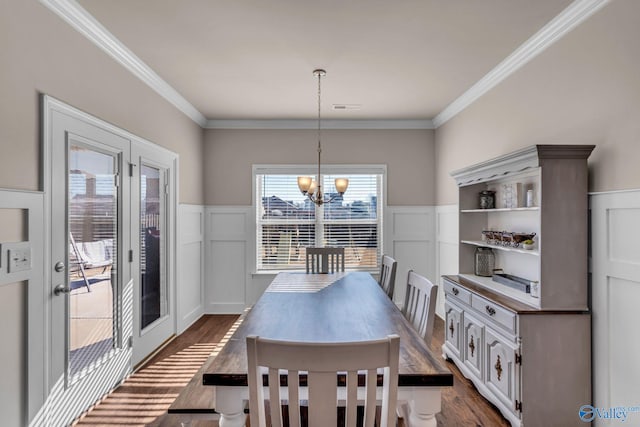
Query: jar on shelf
{"points": [[485, 262], [487, 199]]}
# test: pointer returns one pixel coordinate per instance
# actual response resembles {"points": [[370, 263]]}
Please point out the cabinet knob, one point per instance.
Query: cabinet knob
{"points": [[472, 345], [451, 328], [490, 310], [455, 291]]}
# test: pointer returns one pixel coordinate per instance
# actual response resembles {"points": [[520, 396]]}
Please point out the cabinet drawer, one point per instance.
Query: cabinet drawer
{"points": [[457, 292], [503, 317]]}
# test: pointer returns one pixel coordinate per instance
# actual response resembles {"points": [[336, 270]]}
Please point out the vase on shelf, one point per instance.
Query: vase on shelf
{"points": [[485, 262], [487, 199]]}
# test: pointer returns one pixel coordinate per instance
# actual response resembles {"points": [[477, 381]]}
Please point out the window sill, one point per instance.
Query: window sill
{"points": [[264, 273]]}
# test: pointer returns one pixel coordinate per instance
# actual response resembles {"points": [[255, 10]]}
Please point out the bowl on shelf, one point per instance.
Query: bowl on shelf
{"points": [[520, 238], [528, 244]]}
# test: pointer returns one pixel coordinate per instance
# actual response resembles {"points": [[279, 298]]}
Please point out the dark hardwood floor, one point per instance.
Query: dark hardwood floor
{"points": [[462, 405], [145, 396]]}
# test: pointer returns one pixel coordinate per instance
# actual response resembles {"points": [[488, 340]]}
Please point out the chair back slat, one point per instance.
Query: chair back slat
{"points": [[351, 415], [370, 409], [322, 399], [388, 275], [274, 396], [294, 397], [322, 362], [420, 304], [324, 260]]}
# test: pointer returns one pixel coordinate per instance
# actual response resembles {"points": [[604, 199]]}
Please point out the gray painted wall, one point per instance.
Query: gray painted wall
{"points": [[408, 154], [43, 54], [585, 89]]}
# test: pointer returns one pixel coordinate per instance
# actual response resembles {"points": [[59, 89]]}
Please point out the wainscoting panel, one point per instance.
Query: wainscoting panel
{"points": [[228, 238], [410, 240], [23, 322], [615, 295], [191, 248], [446, 248]]}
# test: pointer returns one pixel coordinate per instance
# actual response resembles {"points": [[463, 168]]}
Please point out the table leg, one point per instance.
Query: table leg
{"points": [[423, 406], [230, 406]]}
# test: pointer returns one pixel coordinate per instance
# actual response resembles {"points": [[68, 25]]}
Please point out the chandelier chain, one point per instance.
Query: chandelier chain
{"points": [[319, 128], [310, 188]]}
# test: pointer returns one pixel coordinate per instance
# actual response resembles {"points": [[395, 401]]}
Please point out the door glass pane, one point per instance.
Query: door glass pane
{"points": [[152, 292], [93, 225]]}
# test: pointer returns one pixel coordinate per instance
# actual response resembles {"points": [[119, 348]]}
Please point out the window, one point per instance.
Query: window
{"points": [[287, 222]]}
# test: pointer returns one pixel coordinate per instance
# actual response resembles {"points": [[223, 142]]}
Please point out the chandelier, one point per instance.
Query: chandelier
{"points": [[307, 185]]}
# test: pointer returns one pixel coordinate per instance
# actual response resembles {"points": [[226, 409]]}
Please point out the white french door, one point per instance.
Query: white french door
{"points": [[153, 225], [89, 272], [110, 267]]}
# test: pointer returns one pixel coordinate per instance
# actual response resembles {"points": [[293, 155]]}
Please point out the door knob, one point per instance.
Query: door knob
{"points": [[59, 267], [61, 289]]}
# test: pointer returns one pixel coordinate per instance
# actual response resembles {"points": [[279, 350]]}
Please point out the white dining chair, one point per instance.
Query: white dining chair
{"points": [[387, 278], [324, 260], [420, 304], [312, 371]]}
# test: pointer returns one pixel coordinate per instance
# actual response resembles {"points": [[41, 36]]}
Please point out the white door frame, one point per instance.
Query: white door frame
{"points": [[37, 310], [69, 397]]}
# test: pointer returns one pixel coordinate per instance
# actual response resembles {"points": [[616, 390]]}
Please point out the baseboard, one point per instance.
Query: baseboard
{"points": [[226, 308]]}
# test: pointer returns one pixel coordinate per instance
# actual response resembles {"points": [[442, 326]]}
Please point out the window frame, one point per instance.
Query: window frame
{"points": [[311, 170]]}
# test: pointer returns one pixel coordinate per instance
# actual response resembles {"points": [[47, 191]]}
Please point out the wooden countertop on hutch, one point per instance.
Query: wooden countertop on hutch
{"points": [[503, 300]]}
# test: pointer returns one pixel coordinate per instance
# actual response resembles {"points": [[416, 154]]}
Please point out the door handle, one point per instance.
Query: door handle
{"points": [[61, 289]]}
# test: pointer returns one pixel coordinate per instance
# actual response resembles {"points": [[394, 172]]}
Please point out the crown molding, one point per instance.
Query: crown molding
{"points": [[313, 124], [76, 16], [567, 20]]}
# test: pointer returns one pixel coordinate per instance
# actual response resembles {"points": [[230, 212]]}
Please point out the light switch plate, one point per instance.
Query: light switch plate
{"points": [[19, 260], [18, 256]]}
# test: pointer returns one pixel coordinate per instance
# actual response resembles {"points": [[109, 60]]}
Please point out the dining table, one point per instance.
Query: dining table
{"points": [[337, 307]]}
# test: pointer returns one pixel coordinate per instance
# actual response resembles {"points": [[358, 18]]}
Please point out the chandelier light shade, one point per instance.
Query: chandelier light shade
{"points": [[307, 185], [304, 183]]}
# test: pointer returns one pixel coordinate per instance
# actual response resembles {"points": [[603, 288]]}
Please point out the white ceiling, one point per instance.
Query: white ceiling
{"points": [[253, 59]]}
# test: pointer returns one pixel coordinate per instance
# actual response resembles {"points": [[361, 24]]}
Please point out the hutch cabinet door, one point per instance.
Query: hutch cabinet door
{"points": [[502, 375], [453, 320], [473, 342]]}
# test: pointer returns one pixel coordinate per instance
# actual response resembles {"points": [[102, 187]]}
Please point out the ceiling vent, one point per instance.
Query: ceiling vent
{"points": [[347, 107]]}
